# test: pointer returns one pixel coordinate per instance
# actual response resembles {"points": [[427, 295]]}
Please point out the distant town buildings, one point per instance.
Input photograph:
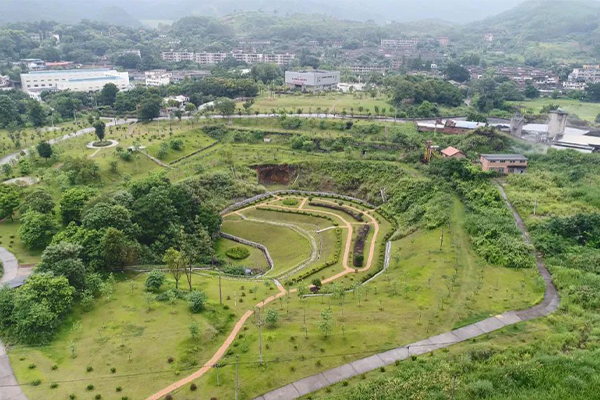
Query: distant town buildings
{"points": [[254, 42], [444, 41], [488, 37], [399, 43], [135, 52], [159, 77], [204, 58], [504, 163], [316, 80], [77, 80]]}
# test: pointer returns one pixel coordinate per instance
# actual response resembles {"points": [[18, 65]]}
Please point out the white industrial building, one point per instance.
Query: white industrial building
{"points": [[312, 80], [77, 80], [158, 77]]}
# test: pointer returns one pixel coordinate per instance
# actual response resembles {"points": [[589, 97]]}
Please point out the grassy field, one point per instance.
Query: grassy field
{"points": [[321, 103], [11, 142], [425, 292], [9, 238], [134, 334], [585, 110]]}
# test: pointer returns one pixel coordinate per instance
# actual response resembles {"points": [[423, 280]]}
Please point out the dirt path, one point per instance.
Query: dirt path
{"points": [[238, 326]]}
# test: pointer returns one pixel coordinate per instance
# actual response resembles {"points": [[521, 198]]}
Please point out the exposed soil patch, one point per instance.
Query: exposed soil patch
{"points": [[275, 174]]}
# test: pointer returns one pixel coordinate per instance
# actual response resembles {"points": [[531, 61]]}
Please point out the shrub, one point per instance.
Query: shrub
{"points": [[113, 370], [89, 387], [53, 385], [72, 396], [31, 366], [89, 368], [238, 253], [54, 367], [481, 389], [290, 202], [119, 388], [98, 396], [155, 280], [197, 300], [168, 397], [193, 387], [36, 382], [170, 360], [272, 317]]}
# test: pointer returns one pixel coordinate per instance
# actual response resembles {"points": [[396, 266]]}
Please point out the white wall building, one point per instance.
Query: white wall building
{"points": [[77, 80], [4, 81], [399, 43], [312, 80], [178, 56], [209, 58], [158, 77]]}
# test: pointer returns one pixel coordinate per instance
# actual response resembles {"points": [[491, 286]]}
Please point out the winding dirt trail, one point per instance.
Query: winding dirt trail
{"points": [[238, 326]]}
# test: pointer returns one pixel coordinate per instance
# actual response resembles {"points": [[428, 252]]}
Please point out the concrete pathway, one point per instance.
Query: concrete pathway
{"points": [[326, 378], [10, 389]]}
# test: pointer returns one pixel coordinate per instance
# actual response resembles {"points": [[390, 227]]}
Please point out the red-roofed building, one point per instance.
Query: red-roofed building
{"points": [[452, 152]]}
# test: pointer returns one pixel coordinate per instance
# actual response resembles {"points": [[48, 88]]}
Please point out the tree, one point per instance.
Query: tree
{"points": [[37, 229], [72, 203], [225, 106], [154, 280], [266, 73], [149, 109], [326, 322], [36, 113], [9, 201], [9, 112], [99, 129], [44, 149], [175, 264], [62, 259], [118, 249], [39, 306], [272, 317], [592, 91], [40, 201], [457, 72], [108, 94], [197, 300], [531, 92], [194, 330], [128, 61]]}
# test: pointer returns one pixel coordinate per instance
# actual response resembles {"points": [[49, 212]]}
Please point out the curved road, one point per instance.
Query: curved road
{"points": [[10, 386], [326, 378]]}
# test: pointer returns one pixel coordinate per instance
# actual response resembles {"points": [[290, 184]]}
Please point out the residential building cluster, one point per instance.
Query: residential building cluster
{"points": [[539, 77], [4, 82], [366, 69], [205, 58], [581, 77]]}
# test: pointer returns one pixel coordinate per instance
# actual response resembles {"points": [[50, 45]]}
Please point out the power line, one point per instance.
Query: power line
{"points": [[223, 361]]}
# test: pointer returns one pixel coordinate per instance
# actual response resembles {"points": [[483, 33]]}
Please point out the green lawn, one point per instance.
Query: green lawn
{"points": [[287, 247], [255, 260], [321, 103], [9, 238], [585, 110]]}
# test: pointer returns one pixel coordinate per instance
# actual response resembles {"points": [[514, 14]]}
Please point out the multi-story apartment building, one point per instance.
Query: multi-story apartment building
{"points": [[209, 58], [365, 69], [158, 77], [399, 43], [178, 56]]}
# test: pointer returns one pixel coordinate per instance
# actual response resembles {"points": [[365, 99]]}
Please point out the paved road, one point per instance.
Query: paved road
{"points": [[350, 370], [9, 389]]}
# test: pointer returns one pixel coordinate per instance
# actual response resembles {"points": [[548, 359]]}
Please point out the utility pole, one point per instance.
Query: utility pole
{"points": [[220, 292], [237, 375], [259, 324]]}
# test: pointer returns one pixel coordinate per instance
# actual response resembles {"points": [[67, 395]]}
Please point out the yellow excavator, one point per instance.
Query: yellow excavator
{"points": [[430, 151]]}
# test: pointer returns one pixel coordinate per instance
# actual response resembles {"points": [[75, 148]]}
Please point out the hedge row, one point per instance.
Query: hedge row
{"points": [[309, 214], [356, 216], [359, 246], [336, 257]]}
